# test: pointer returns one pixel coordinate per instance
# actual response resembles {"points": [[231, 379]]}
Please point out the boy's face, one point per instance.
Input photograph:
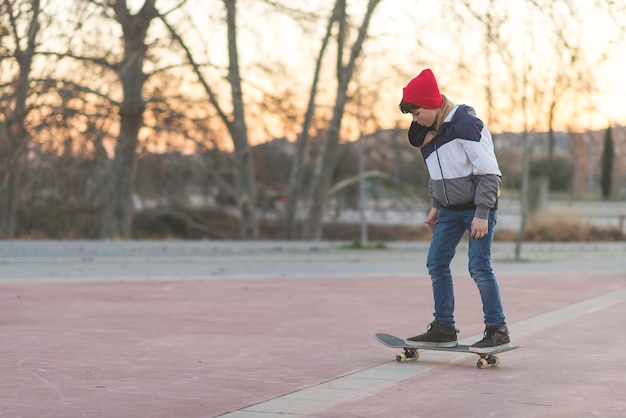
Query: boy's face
{"points": [[425, 117]]}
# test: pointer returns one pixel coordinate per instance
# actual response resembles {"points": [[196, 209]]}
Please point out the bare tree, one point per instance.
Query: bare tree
{"points": [[245, 187], [536, 85], [118, 208], [572, 69], [117, 205], [23, 26], [491, 22], [326, 159], [297, 168]]}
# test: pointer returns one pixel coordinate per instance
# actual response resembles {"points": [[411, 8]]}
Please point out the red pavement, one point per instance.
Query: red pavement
{"points": [[202, 348]]}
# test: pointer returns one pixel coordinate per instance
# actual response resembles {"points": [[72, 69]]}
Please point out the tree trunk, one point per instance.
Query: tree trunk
{"points": [[245, 186], [325, 163], [297, 168], [14, 135], [117, 213]]}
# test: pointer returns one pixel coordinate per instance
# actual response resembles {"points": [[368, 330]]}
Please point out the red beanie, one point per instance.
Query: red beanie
{"points": [[423, 91]]}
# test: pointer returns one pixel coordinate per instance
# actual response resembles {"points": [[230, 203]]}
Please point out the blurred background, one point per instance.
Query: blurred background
{"points": [[278, 120]]}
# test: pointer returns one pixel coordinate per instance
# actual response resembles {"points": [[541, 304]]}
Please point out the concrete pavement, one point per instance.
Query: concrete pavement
{"points": [[235, 329]]}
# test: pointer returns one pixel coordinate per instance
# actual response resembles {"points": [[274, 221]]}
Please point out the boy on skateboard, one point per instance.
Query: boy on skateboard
{"points": [[464, 187]]}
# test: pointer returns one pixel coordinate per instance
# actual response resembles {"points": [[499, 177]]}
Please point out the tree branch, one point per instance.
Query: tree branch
{"points": [[79, 88], [196, 69], [93, 60], [176, 7]]}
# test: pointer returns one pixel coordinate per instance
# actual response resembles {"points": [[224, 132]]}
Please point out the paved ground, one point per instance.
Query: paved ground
{"points": [[275, 329]]}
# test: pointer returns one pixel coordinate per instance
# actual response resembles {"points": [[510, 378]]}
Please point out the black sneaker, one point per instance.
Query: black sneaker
{"points": [[495, 337], [437, 335]]}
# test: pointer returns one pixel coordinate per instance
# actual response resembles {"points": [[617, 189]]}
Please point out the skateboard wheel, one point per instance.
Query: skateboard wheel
{"points": [[494, 361], [400, 358], [481, 363]]}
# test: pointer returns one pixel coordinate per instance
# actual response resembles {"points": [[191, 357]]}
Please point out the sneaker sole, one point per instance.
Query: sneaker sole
{"points": [[426, 344], [487, 350]]}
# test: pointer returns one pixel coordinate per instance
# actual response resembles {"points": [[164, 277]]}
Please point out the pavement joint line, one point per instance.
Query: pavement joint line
{"points": [[258, 276], [567, 313], [304, 402]]}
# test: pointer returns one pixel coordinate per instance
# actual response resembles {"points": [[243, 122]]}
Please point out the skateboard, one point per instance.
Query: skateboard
{"points": [[411, 352]]}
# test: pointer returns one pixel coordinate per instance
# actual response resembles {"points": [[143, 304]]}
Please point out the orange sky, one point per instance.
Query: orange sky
{"points": [[394, 55]]}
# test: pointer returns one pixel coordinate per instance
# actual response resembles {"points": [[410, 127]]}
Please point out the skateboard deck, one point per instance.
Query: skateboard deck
{"points": [[411, 352]]}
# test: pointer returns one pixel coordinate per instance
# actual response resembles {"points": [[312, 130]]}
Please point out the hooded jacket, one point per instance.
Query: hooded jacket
{"points": [[461, 161]]}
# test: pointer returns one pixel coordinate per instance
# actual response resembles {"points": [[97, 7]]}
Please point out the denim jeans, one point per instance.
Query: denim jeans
{"points": [[449, 229]]}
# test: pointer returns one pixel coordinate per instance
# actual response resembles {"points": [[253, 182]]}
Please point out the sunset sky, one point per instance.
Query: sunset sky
{"points": [[409, 36], [595, 32], [278, 55]]}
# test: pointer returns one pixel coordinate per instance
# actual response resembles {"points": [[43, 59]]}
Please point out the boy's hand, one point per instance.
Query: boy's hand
{"points": [[431, 219], [480, 228]]}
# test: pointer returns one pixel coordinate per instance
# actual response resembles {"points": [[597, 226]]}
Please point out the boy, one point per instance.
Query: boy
{"points": [[464, 188]]}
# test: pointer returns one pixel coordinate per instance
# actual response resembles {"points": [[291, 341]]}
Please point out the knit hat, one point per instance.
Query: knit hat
{"points": [[423, 91]]}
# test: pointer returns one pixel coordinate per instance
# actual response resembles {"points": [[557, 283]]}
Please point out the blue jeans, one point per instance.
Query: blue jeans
{"points": [[449, 229]]}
